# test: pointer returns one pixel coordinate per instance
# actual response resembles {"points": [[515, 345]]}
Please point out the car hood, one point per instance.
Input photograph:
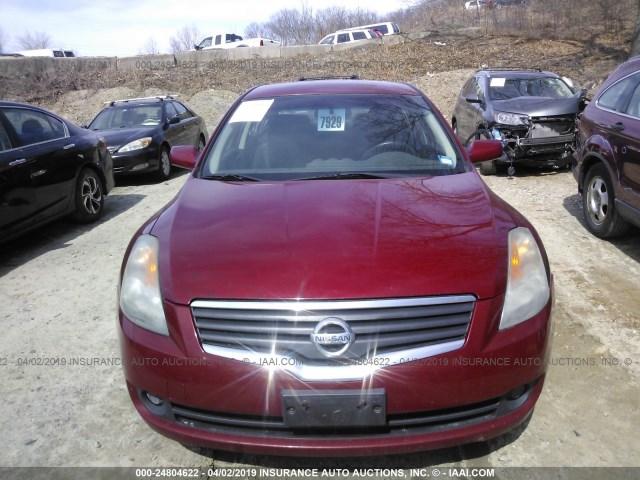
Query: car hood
{"points": [[539, 106], [332, 239], [117, 138]]}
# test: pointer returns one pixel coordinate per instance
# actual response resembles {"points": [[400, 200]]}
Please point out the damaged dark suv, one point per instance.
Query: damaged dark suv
{"points": [[533, 112]]}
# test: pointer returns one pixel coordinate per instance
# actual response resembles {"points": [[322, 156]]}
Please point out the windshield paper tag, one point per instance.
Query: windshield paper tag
{"points": [[331, 119], [252, 111], [444, 160], [497, 82]]}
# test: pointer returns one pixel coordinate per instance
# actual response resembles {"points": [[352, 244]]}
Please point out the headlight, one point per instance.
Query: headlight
{"points": [[140, 298], [510, 118], [527, 284], [136, 145]]}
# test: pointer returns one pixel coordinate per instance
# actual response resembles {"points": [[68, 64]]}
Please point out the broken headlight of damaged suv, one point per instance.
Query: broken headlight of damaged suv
{"points": [[533, 113]]}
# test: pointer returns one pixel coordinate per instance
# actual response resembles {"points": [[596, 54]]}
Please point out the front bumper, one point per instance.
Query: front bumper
{"points": [[525, 148], [138, 161], [482, 390]]}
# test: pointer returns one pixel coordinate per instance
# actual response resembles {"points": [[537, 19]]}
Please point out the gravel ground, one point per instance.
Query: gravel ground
{"points": [[64, 398]]}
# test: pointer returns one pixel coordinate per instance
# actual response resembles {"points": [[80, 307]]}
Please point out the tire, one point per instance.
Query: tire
{"points": [[489, 168], [164, 165], [598, 205], [201, 143], [479, 134], [88, 197]]}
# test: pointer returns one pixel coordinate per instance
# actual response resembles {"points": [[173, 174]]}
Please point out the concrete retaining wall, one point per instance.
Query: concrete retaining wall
{"points": [[16, 67], [10, 66]]}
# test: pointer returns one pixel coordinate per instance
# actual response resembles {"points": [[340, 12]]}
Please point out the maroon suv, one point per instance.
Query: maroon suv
{"points": [[334, 278], [607, 165]]}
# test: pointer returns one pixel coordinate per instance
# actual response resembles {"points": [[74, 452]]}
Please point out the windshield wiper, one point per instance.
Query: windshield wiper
{"points": [[230, 177], [344, 176]]}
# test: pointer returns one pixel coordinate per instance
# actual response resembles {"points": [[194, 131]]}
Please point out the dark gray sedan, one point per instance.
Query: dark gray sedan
{"points": [[141, 131]]}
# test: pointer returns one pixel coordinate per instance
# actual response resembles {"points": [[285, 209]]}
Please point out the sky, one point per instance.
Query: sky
{"points": [[122, 27]]}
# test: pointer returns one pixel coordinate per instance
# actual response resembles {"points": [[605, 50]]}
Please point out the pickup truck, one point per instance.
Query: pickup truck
{"points": [[46, 52], [231, 40]]}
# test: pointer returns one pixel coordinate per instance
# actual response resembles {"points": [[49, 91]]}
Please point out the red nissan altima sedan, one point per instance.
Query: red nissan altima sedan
{"points": [[334, 278]]}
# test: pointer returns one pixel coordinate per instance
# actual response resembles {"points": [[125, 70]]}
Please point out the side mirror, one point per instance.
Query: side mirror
{"points": [[171, 121], [184, 156], [582, 99], [197, 47], [484, 150], [473, 98]]}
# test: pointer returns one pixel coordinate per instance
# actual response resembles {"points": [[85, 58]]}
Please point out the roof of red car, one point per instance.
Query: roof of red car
{"points": [[316, 87]]}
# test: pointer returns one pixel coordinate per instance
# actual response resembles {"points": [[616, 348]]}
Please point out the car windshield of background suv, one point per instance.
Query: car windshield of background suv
{"points": [[127, 117], [303, 137], [506, 89]]}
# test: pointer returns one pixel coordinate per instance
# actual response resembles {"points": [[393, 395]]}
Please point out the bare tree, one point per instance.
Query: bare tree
{"points": [[303, 26], [569, 19], [292, 27], [150, 47], [185, 39], [330, 20], [34, 41], [635, 37], [256, 29], [360, 16]]}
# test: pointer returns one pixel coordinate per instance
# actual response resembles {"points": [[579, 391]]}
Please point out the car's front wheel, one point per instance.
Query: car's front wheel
{"points": [[164, 165], [598, 205], [489, 168], [89, 197]]}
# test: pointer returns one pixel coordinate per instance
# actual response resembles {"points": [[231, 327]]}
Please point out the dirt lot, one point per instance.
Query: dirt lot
{"points": [[58, 303]]}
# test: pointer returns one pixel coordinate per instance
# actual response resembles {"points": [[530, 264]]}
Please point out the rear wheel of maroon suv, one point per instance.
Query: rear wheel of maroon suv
{"points": [[598, 204]]}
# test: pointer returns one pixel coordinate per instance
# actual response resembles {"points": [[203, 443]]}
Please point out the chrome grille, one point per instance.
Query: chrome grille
{"points": [[381, 327]]}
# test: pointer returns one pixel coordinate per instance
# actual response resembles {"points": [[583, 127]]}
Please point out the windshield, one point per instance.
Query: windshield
{"points": [[508, 88], [127, 117], [333, 136]]}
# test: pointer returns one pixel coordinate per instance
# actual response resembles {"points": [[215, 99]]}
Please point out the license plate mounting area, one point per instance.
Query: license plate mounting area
{"points": [[334, 408]]}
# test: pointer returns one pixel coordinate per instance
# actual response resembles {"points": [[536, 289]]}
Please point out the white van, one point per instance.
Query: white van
{"points": [[385, 28], [47, 52], [347, 36]]}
